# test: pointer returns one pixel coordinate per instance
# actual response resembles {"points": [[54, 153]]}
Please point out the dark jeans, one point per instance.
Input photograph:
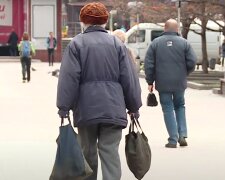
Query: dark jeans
{"points": [[13, 51], [26, 63], [50, 56]]}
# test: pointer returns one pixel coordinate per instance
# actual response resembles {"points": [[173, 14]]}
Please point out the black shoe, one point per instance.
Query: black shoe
{"points": [[182, 142], [168, 145]]}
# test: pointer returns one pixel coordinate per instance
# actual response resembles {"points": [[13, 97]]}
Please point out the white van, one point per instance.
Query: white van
{"points": [[140, 37]]}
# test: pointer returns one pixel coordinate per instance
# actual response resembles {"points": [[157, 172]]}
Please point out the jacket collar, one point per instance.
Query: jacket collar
{"points": [[95, 28], [170, 33]]}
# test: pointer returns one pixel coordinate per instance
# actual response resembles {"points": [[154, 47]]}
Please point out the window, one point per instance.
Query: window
{"points": [[155, 34], [132, 38], [137, 36]]}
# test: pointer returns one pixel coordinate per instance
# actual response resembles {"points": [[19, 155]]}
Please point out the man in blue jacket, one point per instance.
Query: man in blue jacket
{"points": [[168, 61], [98, 82]]}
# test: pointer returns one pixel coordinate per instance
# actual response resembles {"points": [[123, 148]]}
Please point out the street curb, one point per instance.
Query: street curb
{"points": [[10, 60], [199, 86]]}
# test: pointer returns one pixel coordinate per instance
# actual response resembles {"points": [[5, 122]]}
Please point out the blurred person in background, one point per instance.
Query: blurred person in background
{"points": [[51, 45], [119, 33], [13, 41], [26, 50], [223, 53]]}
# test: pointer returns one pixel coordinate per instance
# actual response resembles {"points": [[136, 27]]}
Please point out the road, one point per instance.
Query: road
{"points": [[29, 126]]}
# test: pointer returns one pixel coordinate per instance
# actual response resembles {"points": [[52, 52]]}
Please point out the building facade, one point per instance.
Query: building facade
{"points": [[37, 17]]}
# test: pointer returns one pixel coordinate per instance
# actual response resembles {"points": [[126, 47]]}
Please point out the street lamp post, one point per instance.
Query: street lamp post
{"points": [[112, 13], [136, 5], [178, 2], [179, 16]]}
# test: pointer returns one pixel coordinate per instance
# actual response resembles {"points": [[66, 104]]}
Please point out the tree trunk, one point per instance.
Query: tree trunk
{"points": [[186, 23], [204, 52], [185, 29], [204, 21]]}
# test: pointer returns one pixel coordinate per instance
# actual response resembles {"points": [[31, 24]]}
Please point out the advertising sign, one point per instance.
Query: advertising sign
{"points": [[5, 12]]}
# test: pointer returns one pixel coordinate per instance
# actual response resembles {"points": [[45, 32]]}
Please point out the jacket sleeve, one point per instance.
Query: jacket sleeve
{"points": [[47, 42], [10, 39], [223, 47], [19, 46], [149, 65], [55, 42], [33, 51], [68, 82], [190, 58], [129, 81]]}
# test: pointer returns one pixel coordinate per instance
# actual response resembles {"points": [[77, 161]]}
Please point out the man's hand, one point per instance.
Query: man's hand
{"points": [[150, 88]]}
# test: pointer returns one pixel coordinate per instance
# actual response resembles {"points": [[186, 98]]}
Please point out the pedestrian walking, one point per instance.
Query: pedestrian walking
{"points": [[51, 45], [13, 41], [223, 53], [168, 61], [26, 50], [122, 36], [98, 82]]}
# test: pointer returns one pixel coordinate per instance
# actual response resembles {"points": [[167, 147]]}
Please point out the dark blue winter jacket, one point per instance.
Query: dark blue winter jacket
{"points": [[169, 59], [97, 80]]}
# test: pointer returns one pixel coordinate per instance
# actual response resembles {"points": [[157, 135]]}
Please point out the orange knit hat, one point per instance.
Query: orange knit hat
{"points": [[94, 13]]}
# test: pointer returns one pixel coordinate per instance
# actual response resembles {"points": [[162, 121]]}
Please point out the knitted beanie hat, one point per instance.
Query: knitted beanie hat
{"points": [[94, 13]]}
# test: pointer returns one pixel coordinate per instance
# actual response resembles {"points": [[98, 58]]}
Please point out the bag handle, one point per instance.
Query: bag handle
{"points": [[131, 127], [135, 122], [62, 120]]}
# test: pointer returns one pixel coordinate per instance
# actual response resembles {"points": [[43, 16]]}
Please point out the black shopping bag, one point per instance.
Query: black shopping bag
{"points": [[137, 150], [70, 163], [151, 99]]}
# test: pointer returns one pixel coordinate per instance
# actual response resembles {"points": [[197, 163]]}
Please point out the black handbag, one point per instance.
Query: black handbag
{"points": [[70, 163], [151, 99], [137, 150]]}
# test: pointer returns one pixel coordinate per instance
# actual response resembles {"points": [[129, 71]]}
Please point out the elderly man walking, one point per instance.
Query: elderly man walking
{"points": [[168, 61], [98, 82]]}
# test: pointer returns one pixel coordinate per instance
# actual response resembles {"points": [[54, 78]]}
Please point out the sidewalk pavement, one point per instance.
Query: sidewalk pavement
{"points": [[29, 127]]}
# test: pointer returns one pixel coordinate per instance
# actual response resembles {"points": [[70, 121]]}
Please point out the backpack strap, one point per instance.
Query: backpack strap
{"points": [[21, 48]]}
